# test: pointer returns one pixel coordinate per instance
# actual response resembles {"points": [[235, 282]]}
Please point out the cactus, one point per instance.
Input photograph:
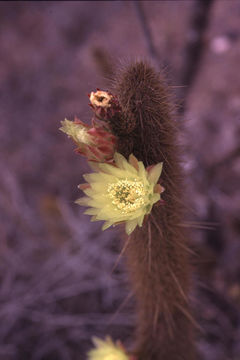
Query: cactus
{"points": [[157, 254], [139, 126]]}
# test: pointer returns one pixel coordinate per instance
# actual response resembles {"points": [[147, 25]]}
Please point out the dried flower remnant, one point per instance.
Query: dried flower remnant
{"points": [[108, 350], [101, 98], [105, 105], [95, 142], [121, 193]]}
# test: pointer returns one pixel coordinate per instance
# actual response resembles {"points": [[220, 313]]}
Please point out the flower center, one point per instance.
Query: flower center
{"points": [[82, 136], [127, 195]]}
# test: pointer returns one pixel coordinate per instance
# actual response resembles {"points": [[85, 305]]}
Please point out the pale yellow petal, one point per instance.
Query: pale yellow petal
{"points": [[137, 213], [140, 220], [87, 201], [100, 198], [112, 170], [154, 173], [107, 178], [99, 187], [130, 226], [155, 198], [130, 169], [105, 213], [91, 177], [124, 164], [95, 204], [106, 225], [142, 172], [99, 177], [94, 165], [119, 159], [93, 218], [109, 213], [88, 192], [133, 161], [84, 201], [98, 342], [91, 211]]}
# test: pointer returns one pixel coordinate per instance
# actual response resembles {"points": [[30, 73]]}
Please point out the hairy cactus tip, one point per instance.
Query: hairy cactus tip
{"points": [[121, 193]]}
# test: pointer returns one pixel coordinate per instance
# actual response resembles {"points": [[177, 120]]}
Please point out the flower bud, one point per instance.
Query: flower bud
{"points": [[95, 142]]}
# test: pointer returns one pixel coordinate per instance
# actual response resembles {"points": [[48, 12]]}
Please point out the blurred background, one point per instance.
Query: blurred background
{"points": [[58, 284]]}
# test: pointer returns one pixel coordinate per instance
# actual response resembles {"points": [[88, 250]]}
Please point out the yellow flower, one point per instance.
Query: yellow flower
{"points": [[123, 193], [107, 350]]}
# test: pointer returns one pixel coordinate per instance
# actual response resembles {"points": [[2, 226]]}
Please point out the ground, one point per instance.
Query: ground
{"points": [[58, 287]]}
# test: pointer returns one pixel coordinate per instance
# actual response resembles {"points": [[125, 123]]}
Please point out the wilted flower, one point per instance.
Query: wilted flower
{"points": [[121, 193], [105, 105], [95, 142], [101, 98], [107, 350]]}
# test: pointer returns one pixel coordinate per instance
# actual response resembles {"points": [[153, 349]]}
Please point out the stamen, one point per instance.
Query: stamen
{"points": [[127, 195]]}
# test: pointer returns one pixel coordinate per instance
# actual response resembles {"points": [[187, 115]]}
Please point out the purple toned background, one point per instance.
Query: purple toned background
{"points": [[58, 287]]}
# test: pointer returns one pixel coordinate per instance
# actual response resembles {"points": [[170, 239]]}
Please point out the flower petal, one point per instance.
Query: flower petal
{"points": [[88, 192], [84, 201], [87, 201], [112, 170], [91, 177], [155, 198], [123, 163], [91, 211], [119, 159], [106, 225], [140, 220], [142, 173], [133, 161], [130, 226], [93, 165], [83, 186], [100, 187], [154, 173], [158, 189], [93, 218]]}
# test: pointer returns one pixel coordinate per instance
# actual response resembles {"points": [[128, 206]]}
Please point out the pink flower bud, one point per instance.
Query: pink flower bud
{"points": [[95, 142]]}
